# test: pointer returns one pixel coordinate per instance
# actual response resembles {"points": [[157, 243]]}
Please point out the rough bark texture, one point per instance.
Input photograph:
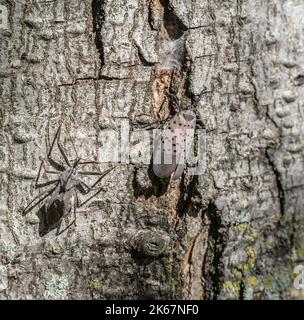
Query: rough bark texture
{"points": [[236, 231]]}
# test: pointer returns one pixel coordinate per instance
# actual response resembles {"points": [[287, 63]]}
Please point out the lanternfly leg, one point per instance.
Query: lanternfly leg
{"points": [[175, 101], [149, 126]]}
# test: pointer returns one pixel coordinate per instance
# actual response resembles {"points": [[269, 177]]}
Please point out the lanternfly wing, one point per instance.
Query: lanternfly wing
{"points": [[172, 145]]}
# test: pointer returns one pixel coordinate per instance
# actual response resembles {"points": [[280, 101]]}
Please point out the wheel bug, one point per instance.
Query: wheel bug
{"points": [[174, 139], [63, 197]]}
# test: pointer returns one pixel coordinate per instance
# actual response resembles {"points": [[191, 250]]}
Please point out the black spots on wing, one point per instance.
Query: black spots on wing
{"points": [[182, 121], [171, 150], [179, 121], [174, 147], [179, 136], [176, 121]]}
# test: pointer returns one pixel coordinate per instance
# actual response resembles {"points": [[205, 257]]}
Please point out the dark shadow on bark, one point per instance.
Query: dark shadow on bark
{"points": [[173, 25], [44, 229], [185, 205], [214, 275], [159, 186], [98, 21]]}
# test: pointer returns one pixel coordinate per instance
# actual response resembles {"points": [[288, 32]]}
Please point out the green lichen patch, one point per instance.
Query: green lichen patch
{"points": [[252, 281], [300, 252], [96, 285], [56, 288], [232, 288]]}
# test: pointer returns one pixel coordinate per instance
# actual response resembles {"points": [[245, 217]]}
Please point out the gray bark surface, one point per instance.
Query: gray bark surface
{"points": [[235, 232]]}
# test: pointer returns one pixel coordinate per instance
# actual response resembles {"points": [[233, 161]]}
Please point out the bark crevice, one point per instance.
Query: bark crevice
{"points": [[98, 15], [278, 179], [213, 267]]}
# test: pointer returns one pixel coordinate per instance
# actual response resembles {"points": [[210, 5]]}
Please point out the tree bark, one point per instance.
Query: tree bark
{"points": [[235, 232]]}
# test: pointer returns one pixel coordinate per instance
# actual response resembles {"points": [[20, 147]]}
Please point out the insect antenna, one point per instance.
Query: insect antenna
{"points": [[199, 98], [54, 140]]}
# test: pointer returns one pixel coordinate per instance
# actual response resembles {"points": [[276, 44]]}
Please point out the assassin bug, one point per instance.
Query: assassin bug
{"points": [[63, 196]]}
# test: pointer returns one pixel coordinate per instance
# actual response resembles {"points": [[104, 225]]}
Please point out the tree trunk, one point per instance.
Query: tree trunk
{"points": [[235, 232]]}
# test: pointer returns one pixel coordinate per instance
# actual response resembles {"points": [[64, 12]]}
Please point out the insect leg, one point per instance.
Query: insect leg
{"points": [[58, 232], [47, 170], [58, 229], [199, 98], [102, 175], [82, 187], [44, 184], [75, 205], [73, 146], [89, 188], [149, 126], [199, 123], [176, 102], [73, 222], [53, 142], [29, 207], [54, 163], [76, 201], [61, 149], [99, 190], [89, 173], [145, 114], [94, 195], [89, 162]]}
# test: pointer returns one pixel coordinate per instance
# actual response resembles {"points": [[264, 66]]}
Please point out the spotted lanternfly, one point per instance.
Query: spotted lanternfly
{"points": [[173, 142]]}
